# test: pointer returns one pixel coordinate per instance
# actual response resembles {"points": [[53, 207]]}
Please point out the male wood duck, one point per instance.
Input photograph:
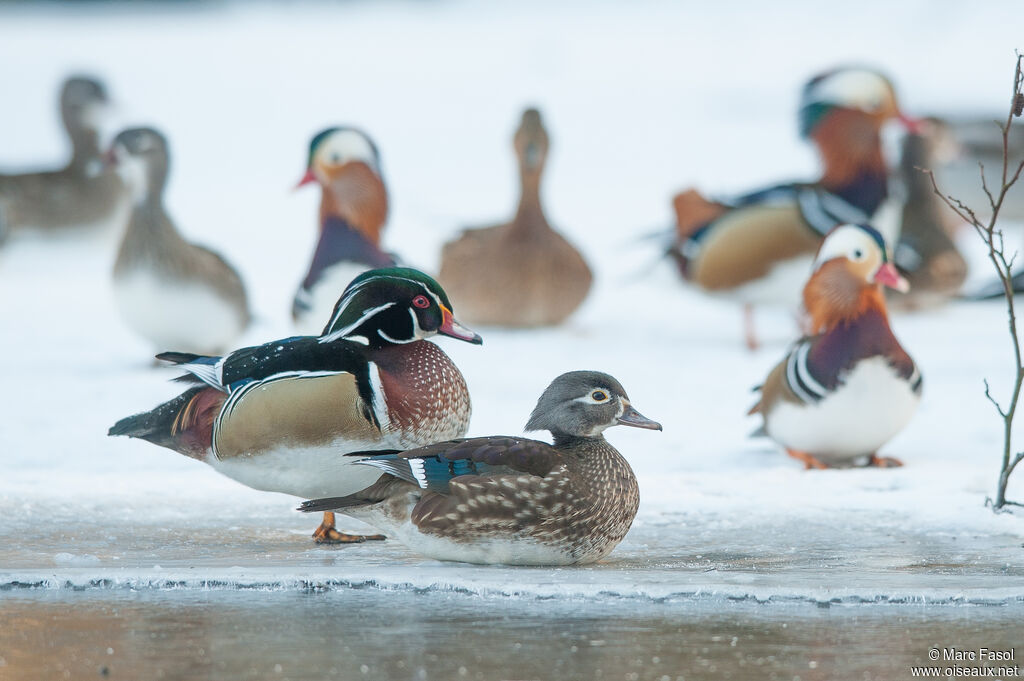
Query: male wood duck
{"points": [[279, 416], [925, 252], [757, 248], [522, 273], [847, 389], [172, 293], [509, 499], [83, 193], [353, 210]]}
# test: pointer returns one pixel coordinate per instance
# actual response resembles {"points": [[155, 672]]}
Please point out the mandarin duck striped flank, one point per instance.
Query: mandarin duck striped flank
{"points": [[849, 388], [280, 416], [756, 248], [353, 210], [173, 293], [523, 273], [512, 500], [84, 192]]}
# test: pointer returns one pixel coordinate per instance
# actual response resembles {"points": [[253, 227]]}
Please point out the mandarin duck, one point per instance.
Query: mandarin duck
{"points": [[847, 389], [84, 192], [925, 253], [280, 416], [353, 210], [172, 293], [522, 273], [512, 500], [756, 248]]}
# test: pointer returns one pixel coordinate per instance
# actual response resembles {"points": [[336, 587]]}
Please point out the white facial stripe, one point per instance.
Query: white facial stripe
{"points": [[345, 146], [588, 399], [341, 333], [852, 89], [845, 242]]}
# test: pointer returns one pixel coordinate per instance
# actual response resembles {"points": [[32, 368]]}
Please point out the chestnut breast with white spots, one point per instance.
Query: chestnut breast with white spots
{"points": [[425, 393]]}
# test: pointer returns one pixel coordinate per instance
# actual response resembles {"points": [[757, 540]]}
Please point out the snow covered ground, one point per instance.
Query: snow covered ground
{"points": [[640, 100]]}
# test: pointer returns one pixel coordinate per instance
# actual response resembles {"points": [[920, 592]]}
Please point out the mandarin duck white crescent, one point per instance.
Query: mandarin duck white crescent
{"points": [[848, 388]]}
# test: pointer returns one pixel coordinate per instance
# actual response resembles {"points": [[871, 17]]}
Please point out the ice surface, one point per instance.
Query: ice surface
{"points": [[639, 102]]}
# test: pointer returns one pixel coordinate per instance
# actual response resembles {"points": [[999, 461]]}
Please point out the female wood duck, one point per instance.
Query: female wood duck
{"points": [[757, 248], [82, 193], [353, 210], [279, 416], [522, 273], [846, 390], [925, 252], [508, 499], [172, 293]]}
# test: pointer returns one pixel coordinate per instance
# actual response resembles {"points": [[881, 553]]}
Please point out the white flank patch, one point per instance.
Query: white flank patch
{"points": [[174, 315], [871, 406], [307, 472]]}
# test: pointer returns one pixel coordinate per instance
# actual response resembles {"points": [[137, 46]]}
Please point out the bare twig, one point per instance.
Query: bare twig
{"points": [[993, 238]]}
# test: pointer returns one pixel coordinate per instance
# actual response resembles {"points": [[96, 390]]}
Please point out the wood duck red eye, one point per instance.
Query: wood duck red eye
{"points": [[421, 301]]}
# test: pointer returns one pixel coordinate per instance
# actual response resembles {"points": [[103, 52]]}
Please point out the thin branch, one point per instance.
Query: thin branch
{"points": [[984, 185], [995, 403]]}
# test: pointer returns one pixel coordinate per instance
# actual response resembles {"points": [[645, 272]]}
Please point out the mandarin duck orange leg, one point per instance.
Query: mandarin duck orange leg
{"points": [[884, 461], [810, 461], [327, 534]]}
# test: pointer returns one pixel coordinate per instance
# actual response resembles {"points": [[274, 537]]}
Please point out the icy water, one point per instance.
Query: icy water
{"points": [[369, 634]]}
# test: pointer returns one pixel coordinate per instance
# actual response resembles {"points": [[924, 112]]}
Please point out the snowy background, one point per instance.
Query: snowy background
{"points": [[640, 100]]}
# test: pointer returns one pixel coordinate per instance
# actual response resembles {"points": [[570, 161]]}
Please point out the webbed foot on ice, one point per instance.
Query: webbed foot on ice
{"points": [[884, 461]]}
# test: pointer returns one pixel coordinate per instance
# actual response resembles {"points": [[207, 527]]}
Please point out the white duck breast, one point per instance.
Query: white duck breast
{"points": [[173, 314], [869, 407]]}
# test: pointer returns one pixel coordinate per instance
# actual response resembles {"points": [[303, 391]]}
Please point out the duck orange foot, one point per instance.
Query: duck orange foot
{"points": [[327, 534], [810, 461], [884, 461]]}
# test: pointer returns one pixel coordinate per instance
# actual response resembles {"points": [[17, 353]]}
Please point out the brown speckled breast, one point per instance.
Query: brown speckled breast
{"points": [[425, 392]]}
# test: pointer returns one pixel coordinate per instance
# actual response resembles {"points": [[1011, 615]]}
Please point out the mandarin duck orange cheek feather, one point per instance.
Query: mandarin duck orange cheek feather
{"points": [[345, 162], [280, 416], [848, 388], [756, 248], [512, 500]]}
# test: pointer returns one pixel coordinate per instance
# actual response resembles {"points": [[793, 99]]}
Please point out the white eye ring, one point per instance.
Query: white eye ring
{"points": [[599, 396], [858, 254]]}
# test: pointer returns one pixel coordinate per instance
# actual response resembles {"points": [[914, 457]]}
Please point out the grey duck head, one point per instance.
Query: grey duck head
{"points": [[141, 157], [584, 404], [82, 100]]}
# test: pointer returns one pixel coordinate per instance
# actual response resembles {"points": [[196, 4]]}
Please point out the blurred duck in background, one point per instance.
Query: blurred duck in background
{"points": [[849, 387], [522, 273], [925, 253], [353, 211], [84, 192], [758, 247], [173, 293], [962, 143]]}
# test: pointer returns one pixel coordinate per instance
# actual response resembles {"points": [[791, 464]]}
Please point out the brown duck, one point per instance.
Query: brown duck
{"points": [[522, 273], [84, 192]]}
